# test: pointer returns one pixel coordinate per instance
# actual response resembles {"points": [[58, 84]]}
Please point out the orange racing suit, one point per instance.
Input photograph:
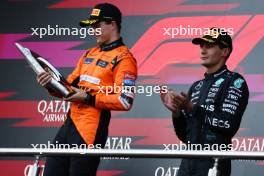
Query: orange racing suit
{"points": [[100, 70]]}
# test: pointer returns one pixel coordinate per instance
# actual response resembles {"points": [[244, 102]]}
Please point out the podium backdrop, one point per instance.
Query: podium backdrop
{"points": [[30, 117]]}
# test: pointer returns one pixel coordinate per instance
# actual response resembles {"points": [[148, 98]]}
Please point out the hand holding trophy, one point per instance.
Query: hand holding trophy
{"points": [[47, 75]]}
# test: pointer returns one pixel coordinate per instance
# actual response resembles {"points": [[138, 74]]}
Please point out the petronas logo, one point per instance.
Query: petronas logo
{"points": [[238, 83]]}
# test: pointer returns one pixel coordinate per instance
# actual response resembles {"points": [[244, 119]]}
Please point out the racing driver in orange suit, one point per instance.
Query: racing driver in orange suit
{"points": [[99, 70]]}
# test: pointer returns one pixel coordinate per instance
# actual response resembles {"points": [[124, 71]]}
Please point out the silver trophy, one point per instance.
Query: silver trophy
{"points": [[37, 63]]}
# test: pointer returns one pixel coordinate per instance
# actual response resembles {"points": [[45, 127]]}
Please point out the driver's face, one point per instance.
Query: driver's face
{"points": [[210, 54], [106, 29]]}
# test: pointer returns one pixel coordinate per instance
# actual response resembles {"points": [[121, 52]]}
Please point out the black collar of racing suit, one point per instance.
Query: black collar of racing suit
{"points": [[216, 74], [113, 45]]}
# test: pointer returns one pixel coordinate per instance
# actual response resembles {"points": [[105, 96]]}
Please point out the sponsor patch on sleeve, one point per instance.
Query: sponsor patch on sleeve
{"points": [[88, 60], [125, 101], [129, 82], [130, 76]]}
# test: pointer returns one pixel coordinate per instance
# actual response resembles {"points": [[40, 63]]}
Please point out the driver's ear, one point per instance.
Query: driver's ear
{"points": [[225, 52], [114, 24]]}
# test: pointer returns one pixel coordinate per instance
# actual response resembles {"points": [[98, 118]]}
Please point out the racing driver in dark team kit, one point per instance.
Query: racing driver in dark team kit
{"points": [[107, 65], [211, 112]]}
